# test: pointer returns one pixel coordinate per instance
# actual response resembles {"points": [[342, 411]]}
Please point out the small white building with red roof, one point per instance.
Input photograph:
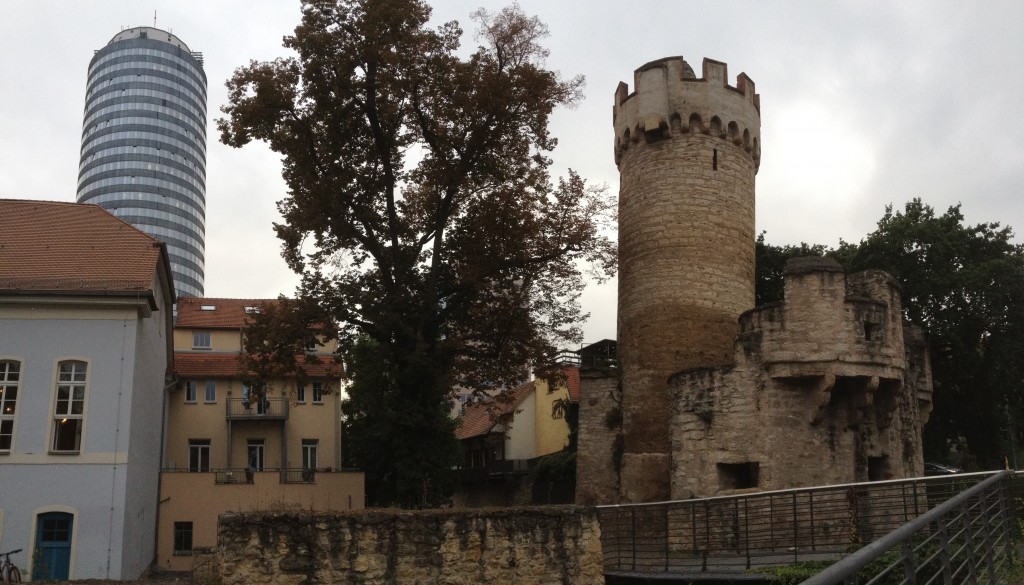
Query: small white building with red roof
{"points": [[86, 304]]}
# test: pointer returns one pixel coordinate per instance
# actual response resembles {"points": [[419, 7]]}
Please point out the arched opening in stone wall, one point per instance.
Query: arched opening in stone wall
{"points": [[715, 127], [695, 122], [734, 133]]}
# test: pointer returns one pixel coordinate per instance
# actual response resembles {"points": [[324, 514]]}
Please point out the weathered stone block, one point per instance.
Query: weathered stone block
{"points": [[532, 545]]}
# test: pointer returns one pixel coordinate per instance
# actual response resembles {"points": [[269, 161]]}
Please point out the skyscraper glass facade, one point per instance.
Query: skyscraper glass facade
{"points": [[144, 144]]}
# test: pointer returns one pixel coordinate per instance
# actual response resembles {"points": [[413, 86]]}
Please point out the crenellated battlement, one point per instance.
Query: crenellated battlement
{"points": [[670, 100]]}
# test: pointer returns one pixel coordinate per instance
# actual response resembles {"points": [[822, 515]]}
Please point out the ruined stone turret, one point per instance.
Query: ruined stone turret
{"points": [[687, 149], [828, 386]]}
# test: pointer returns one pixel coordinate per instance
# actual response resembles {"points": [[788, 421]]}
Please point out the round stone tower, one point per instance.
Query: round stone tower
{"points": [[687, 149]]}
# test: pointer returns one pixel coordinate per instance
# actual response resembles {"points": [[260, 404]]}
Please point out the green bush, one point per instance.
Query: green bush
{"points": [[793, 574]]}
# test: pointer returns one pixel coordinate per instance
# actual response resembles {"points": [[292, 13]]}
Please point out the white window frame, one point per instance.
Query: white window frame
{"points": [[318, 392], [191, 389], [202, 340], [74, 384], [255, 447], [300, 393], [210, 394], [10, 382], [197, 448], [310, 453]]}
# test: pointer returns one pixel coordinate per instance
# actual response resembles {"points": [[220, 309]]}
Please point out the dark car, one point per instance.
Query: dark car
{"points": [[939, 469]]}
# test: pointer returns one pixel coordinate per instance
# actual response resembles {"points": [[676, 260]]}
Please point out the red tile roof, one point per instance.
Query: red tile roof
{"points": [[225, 365], [572, 380], [480, 417], [55, 247], [226, 313]]}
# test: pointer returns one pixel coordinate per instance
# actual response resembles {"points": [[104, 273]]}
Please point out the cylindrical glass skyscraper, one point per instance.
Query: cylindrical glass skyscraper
{"points": [[144, 144]]}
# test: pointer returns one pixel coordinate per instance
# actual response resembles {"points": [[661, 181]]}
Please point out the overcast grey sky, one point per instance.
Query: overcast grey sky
{"points": [[863, 103]]}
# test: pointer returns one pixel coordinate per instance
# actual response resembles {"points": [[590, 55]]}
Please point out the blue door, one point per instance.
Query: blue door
{"points": [[53, 547]]}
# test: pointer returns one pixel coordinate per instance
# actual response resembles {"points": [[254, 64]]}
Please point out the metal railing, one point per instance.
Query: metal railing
{"points": [[966, 539], [259, 409], [301, 475], [241, 475], [231, 476], [738, 533], [501, 467]]}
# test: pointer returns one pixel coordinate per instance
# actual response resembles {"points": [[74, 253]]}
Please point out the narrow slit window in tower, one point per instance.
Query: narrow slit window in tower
{"points": [[714, 159]]}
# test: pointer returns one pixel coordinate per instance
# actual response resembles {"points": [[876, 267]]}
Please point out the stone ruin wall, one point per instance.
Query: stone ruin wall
{"points": [[687, 149], [826, 388], [525, 545], [600, 428]]}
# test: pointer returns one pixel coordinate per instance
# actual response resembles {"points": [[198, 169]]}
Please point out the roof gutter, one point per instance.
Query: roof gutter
{"points": [[101, 297]]}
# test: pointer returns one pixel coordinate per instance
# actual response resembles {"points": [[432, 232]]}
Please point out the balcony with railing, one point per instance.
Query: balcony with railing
{"points": [[602, 355], [285, 475], [259, 409], [242, 476]]}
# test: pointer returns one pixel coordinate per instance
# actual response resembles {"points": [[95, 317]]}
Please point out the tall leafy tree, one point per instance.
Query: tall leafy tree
{"points": [[965, 285], [422, 215]]}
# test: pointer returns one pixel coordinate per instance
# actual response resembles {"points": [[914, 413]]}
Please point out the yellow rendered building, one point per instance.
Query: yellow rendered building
{"points": [[227, 450], [503, 438]]}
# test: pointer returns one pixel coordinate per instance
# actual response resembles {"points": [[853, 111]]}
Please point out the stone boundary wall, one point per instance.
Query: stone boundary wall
{"points": [[600, 428], [556, 544]]}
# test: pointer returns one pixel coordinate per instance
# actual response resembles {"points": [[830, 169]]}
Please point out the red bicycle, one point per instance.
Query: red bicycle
{"points": [[8, 572]]}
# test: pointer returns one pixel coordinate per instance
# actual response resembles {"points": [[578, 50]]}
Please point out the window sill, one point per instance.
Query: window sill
{"points": [[182, 553], [64, 452]]}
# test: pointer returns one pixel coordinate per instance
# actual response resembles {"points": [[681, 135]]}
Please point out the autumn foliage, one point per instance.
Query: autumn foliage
{"points": [[422, 216]]}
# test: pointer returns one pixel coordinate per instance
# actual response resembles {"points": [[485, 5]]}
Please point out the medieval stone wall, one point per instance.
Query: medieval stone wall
{"points": [[524, 545], [824, 389], [687, 151], [600, 428]]}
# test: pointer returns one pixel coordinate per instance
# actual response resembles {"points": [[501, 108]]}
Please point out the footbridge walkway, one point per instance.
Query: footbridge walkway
{"points": [[950, 529]]}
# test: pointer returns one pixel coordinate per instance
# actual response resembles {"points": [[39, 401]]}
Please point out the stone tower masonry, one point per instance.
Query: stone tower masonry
{"points": [[687, 149]]}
